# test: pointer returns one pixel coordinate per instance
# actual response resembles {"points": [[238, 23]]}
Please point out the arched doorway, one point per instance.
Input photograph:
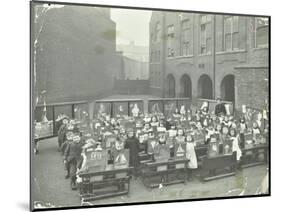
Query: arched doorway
{"points": [[170, 86], [205, 87], [185, 86], [228, 88]]}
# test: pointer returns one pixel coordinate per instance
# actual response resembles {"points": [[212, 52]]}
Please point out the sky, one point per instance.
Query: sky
{"points": [[131, 25]]}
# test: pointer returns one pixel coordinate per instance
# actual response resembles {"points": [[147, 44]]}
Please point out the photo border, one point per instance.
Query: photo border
{"points": [[31, 155]]}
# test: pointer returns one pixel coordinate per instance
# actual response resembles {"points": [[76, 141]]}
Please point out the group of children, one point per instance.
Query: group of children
{"points": [[160, 137]]}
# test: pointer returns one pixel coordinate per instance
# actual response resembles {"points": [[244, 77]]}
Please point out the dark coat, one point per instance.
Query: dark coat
{"points": [[72, 151], [220, 108], [62, 133], [133, 145]]}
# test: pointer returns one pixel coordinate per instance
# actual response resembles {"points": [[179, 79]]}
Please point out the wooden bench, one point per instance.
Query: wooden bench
{"points": [[164, 172], [95, 185]]}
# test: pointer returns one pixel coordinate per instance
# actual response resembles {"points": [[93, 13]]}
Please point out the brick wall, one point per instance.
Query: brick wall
{"points": [[76, 54], [131, 87], [252, 87]]}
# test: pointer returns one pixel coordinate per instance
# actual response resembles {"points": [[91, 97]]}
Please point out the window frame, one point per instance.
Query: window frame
{"points": [[170, 40], [255, 32], [208, 20], [231, 33], [186, 38]]}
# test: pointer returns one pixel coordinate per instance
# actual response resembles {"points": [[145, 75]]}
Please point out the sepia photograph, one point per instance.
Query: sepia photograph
{"points": [[134, 105]]}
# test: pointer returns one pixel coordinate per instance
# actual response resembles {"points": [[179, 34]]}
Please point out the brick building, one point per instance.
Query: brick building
{"points": [[135, 60], [186, 60], [75, 52]]}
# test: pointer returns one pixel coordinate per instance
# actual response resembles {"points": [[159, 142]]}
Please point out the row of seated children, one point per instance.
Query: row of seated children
{"points": [[171, 130]]}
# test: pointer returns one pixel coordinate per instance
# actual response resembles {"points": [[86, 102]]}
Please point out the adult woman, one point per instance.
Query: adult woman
{"points": [[132, 143]]}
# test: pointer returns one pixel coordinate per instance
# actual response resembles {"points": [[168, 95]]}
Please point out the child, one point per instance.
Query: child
{"points": [[172, 132], [209, 132], [224, 138], [218, 132], [179, 147], [69, 136], [226, 122], [198, 122], [72, 156], [204, 109], [147, 118], [161, 127], [205, 123], [62, 132], [191, 156], [147, 128], [176, 114], [182, 110], [242, 128], [180, 136], [256, 131], [151, 144], [235, 144], [154, 122]]}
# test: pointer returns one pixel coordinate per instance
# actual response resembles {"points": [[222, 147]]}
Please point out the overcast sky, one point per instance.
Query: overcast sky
{"points": [[131, 25]]}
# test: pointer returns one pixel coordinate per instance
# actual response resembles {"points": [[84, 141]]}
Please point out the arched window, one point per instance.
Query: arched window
{"points": [[185, 86], [205, 87], [170, 86], [228, 88]]}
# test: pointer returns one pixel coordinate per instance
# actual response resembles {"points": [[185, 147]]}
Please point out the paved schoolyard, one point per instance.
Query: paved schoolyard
{"points": [[51, 187]]}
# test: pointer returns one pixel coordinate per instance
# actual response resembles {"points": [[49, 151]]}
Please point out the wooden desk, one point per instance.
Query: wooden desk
{"points": [[201, 152], [163, 172], [95, 185], [251, 156], [218, 167]]}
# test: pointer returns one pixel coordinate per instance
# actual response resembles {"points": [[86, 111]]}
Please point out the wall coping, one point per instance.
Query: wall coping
{"points": [[251, 66]]}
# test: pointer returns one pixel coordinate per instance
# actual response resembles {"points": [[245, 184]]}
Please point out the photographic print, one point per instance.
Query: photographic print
{"points": [[140, 105]]}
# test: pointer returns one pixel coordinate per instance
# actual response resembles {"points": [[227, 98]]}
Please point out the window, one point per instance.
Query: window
{"points": [[151, 57], [170, 41], [205, 34], [231, 33], [155, 56], [186, 38], [158, 59], [261, 32], [152, 37], [157, 34]]}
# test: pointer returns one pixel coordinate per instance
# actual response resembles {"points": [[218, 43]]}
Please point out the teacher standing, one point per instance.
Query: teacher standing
{"points": [[220, 108]]}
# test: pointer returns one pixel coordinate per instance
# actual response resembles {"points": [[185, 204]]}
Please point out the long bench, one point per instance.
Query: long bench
{"points": [[166, 173], [96, 185]]}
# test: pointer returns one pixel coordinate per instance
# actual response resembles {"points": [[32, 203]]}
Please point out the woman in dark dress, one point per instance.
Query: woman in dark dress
{"points": [[132, 143]]}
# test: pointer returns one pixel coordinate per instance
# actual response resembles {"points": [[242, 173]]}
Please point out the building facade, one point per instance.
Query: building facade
{"points": [[210, 56], [74, 53], [135, 61]]}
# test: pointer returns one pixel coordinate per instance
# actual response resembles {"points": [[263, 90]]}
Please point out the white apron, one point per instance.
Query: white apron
{"points": [[191, 156], [236, 148]]}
